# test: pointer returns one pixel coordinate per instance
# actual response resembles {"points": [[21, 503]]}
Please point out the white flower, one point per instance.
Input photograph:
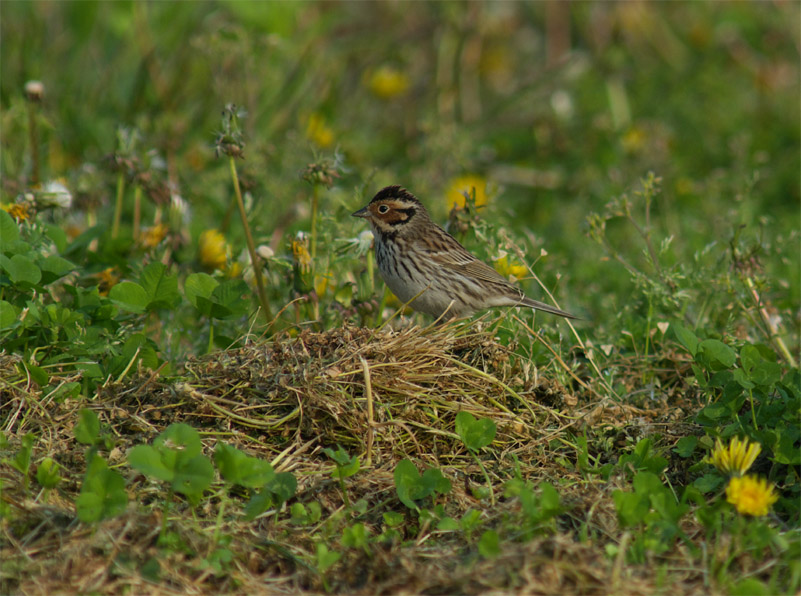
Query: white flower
{"points": [[179, 211], [265, 252], [54, 194], [562, 104]]}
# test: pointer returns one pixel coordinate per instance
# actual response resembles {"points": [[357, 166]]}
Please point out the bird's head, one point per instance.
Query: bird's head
{"points": [[393, 210]]}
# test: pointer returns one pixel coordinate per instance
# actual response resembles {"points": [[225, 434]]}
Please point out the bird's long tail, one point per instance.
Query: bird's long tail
{"points": [[536, 304]]}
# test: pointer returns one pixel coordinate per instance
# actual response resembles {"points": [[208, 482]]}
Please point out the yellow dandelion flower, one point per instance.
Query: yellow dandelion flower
{"points": [[152, 237], [751, 495], [387, 82], [212, 249], [466, 184], [736, 458], [634, 140], [318, 131], [233, 270], [320, 284], [300, 251], [18, 211], [107, 279], [506, 267]]}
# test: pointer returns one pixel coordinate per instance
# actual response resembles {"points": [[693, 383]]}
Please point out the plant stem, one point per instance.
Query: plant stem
{"points": [[216, 538], [254, 259], [753, 412], [164, 513], [115, 227], [486, 477], [315, 202], [34, 141], [773, 332], [648, 330], [343, 488], [137, 215]]}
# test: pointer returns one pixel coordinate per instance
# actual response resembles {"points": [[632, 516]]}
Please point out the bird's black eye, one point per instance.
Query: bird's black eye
{"points": [[383, 209]]}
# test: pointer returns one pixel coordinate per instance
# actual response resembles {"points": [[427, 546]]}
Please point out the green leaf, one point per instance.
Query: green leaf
{"points": [[686, 337], [219, 560], [300, 517], [346, 465], [787, 451], [759, 365], [137, 348], [685, 446], [175, 457], [21, 269], [433, 481], [102, 493], [9, 231], [129, 296], [718, 353], [708, 483], [59, 237], [470, 521], [87, 429], [550, 502], [193, 476], [180, 436], [713, 413], [239, 468], [279, 489], [55, 267], [259, 502], [647, 483], [283, 485], [315, 512], [151, 570], [325, 558], [447, 524], [37, 373], [407, 479], [393, 519], [230, 299], [643, 458], [355, 536], [8, 313], [22, 459], [47, 473], [160, 287], [411, 486], [489, 544], [198, 288], [750, 586], [476, 434], [631, 507], [148, 460]]}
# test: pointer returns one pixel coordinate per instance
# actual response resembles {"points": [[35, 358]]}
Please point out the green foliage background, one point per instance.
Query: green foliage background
{"points": [[652, 149], [704, 94]]}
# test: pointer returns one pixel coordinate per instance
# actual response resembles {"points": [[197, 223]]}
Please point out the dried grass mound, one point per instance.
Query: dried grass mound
{"points": [[317, 387], [383, 395]]}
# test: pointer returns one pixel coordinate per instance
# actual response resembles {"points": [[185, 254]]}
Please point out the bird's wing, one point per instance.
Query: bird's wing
{"points": [[458, 259]]}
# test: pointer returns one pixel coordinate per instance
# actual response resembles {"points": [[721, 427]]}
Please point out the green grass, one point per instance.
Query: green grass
{"points": [[646, 175]]}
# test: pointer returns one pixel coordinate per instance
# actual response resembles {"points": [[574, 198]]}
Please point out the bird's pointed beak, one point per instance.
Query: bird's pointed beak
{"points": [[363, 212]]}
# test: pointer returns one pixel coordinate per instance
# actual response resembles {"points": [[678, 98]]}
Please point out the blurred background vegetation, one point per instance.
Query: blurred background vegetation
{"points": [[550, 109], [641, 157]]}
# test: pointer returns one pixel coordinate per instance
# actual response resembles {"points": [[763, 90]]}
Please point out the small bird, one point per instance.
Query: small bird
{"points": [[421, 261]]}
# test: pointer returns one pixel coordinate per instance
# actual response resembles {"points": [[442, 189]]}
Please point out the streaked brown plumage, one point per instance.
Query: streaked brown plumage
{"points": [[416, 257]]}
